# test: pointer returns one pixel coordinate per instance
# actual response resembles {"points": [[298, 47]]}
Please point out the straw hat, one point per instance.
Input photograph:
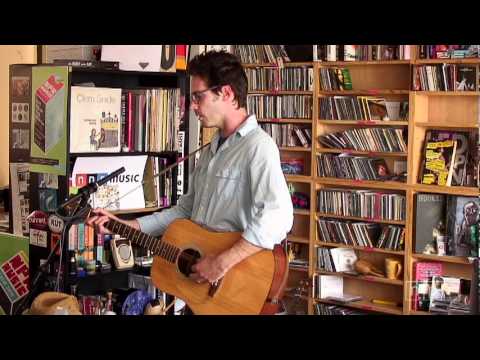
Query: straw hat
{"points": [[51, 303]]}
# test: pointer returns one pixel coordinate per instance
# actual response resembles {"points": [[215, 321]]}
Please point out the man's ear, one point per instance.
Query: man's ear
{"points": [[227, 93]]}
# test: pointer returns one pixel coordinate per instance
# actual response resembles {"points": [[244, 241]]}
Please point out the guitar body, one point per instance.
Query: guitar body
{"points": [[244, 288]]}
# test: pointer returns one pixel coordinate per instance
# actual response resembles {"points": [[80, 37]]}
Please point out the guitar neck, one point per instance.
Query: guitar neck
{"points": [[155, 245]]}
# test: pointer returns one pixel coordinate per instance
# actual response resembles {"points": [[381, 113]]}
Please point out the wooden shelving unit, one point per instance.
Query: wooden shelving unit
{"points": [[362, 248], [302, 230], [381, 221], [443, 110], [391, 80], [367, 278], [365, 305], [427, 110]]}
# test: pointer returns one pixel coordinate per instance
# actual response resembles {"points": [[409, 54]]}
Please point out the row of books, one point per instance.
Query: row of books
{"points": [[260, 54], [365, 204], [327, 309], [280, 106], [361, 234], [450, 158], [447, 225], [445, 77], [280, 79], [361, 52], [335, 78], [335, 259], [286, 135], [346, 166], [448, 51], [86, 245], [114, 120], [362, 108], [440, 294], [367, 139]]}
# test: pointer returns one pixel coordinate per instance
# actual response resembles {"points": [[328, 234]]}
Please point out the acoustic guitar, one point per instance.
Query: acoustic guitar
{"points": [[252, 286]]}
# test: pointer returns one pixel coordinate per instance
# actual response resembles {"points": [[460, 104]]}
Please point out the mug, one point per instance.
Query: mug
{"points": [[393, 268]]}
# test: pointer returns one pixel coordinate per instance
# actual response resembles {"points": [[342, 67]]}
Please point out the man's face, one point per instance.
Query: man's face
{"points": [[206, 104]]}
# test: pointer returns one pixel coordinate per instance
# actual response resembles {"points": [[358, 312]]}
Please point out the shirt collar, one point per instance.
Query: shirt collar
{"points": [[247, 126]]}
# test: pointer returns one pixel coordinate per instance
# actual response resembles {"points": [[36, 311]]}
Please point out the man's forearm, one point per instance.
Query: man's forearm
{"points": [[238, 252]]}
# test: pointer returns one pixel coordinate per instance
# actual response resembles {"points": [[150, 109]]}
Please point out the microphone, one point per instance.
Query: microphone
{"points": [[92, 187]]}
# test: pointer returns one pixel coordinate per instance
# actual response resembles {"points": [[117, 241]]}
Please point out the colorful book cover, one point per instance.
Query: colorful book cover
{"points": [[439, 158], [14, 271], [95, 119], [48, 140], [463, 219], [423, 273]]}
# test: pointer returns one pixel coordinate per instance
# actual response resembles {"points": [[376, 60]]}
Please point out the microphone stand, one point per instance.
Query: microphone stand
{"points": [[78, 214]]}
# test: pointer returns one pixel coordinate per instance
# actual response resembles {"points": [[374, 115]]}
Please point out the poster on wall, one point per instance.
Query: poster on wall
{"points": [[14, 271], [20, 188], [123, 192], [48, 131], [19, 110]]}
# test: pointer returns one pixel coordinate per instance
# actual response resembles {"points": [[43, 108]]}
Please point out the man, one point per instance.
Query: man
{"points": [[238, 184]]}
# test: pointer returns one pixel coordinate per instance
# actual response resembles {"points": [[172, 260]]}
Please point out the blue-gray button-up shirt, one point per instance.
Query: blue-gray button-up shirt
{"points": [[240, 187]]}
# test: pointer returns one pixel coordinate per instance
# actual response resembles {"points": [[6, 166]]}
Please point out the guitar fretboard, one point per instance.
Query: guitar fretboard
{"points": [[156, 246]]}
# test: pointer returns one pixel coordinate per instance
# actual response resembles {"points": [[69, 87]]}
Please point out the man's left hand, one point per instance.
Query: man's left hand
{"points": [[208, 269]]}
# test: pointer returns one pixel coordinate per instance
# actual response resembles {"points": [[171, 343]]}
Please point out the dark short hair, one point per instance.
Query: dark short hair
{"points": [[218, 68]]}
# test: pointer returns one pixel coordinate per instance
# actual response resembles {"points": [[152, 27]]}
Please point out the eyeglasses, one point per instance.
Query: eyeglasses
{"points": [[197, 96]]}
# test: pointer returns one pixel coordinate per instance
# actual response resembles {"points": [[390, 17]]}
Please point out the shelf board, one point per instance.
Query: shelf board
{"points": [[301, 212], [295, 148], [362, 248], [449, 259], [447, 93], [364, 92], [298, 239], [285, 64], [363, 278], [380, 221], [357, 152], [364, 62], [440, 125], [84, 69], [448, 61], [364, 122], [450, 190], [133, 211], [292, 268], [298, 178], [286, 121], [393, 185], [279, 92], [365, 305], [130, 153], [418, 312]]}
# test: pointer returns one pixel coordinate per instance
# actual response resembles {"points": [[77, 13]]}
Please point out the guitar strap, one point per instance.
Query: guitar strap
{"points": [[280, 276]]}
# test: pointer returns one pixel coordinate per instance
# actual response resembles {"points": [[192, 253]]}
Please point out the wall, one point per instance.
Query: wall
{"points": [[9, 54]]}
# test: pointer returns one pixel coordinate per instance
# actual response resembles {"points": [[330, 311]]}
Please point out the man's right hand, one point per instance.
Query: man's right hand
{"points": [[101, 216]]}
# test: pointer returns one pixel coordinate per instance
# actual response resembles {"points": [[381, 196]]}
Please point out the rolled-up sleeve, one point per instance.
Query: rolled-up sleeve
{"points": [[272, 211], [157, 223]]}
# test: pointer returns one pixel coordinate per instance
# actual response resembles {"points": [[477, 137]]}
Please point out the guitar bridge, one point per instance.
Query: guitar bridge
{"points": [[214, 287]]}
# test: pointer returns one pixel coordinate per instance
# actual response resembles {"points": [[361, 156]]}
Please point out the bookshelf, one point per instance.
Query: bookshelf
{"points": [[392, 80], [301, 232], [442, 110], [77, 76], [447, 110]]}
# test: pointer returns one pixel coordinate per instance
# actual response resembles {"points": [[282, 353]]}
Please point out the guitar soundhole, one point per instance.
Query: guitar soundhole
{"points": [[186, 260]]}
